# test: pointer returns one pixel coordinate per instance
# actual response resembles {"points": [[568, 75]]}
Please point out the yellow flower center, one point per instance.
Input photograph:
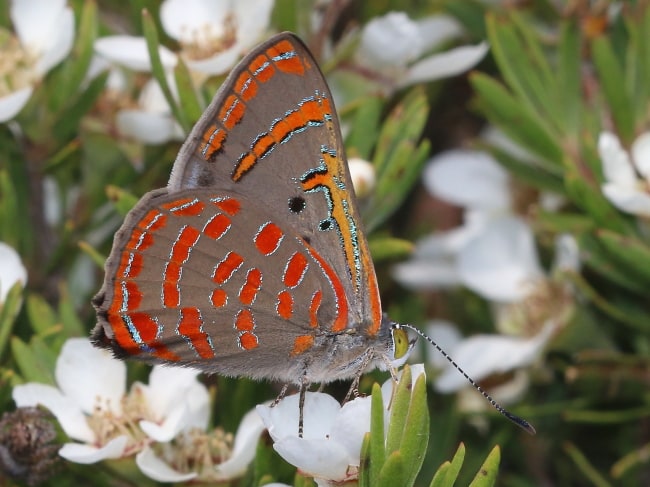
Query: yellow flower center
{"points": [[16, 64]]}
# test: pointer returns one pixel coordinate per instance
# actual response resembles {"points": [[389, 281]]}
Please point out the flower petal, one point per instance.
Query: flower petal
{"points": [[641, 154], [318, 458], [281, 420], [90, 376], [13, 103], [617, 167], [243, 452], [482, 355], [437, 29], [154, 468], [445, 65], [131, 52], [350, 427], [469, 179], [65, 409], [79, 453], [195, 21], [250, 28], [627, 199], [147, 127], [502, 262], [390, 41], [12, 270]]}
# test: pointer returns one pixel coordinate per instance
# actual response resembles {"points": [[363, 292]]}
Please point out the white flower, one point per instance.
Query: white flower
{"points": [[91, 405], [493, 252], [212, 34], [330, 448], [394, 45], [627, 175], [44, 37], [151, 122], [363, 176], [12, 270]]}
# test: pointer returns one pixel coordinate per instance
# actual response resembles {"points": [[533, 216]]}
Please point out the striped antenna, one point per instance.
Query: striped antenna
{"points": [[522, 423]]}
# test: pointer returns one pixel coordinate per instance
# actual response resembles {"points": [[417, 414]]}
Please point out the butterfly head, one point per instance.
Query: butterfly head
{"points": [[399, 343]]}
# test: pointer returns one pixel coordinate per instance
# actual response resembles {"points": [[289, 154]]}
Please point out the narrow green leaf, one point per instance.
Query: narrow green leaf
{"points": [[583, 193], [393, 472], [377, 453], [632, 255], [569, 78], [511, 116], [589, 471], [365, 128], [72, 325], [448, 475], [35, 363], [8, 312], [389, 248], [487, 474], [122, 200], [41, 316], [99, 259], [614, 88], [187, 94], [399, 408], [416, 431], [151, 35]]}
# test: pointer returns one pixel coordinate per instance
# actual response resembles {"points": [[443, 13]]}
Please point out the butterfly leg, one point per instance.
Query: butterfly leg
{"points": [[301, 405], [354, 387], [283, 392]]}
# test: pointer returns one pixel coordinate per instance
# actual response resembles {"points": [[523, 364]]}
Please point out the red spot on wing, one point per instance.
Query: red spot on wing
{"points": [[146, 326], [134, 295], [185, 207], [153, 221], [268, 238], [163, 353], [131, 264], [301, 344], [246, 86], [227, 267], [219, 298], [139, 240], [190, 326], [341, 320], [231, 112], [181, 249], [262, 68], [248, 340], [295, 270], [230, 206], [249, 290], [313, 308], [213, 139], [286, 63], [244, 321], [217, 226], [284, 306]]}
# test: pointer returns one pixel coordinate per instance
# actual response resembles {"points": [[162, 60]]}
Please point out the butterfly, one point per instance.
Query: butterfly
{"points": [[252, 262]]}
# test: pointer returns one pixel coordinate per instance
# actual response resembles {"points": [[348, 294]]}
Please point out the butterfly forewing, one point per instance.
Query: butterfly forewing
{"points": [[253, 253], [272, 135]]}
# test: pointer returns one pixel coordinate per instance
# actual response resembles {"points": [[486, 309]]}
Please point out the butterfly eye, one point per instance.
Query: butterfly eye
{"points": [[400, 343]]}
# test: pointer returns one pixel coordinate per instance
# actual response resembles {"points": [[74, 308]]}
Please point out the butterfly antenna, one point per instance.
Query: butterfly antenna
{"points": [[522, 423]]}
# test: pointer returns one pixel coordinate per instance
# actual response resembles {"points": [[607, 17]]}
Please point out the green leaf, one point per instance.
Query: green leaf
{"points": [[416, 432], [399, 405], [631, 254], [365, 128], [41, 316], [377, 447], [187, 94], [515, 119], [588, 470], [389, 248], [35, 361], [592, 201], [393, 472], [614, 88], [487, 474], [151, 35], [122, 200], [448, 472], [569, 79], [8, 312]]}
